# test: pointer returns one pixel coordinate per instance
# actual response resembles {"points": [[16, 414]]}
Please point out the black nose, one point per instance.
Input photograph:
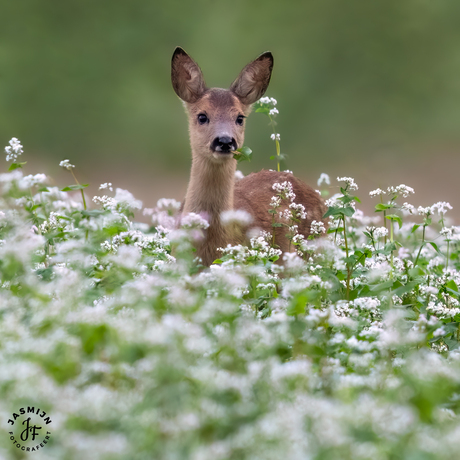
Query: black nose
{"points": [[224, 144]]}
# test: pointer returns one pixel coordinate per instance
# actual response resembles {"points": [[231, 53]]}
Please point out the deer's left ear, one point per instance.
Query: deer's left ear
{"points": [[253, 80]]}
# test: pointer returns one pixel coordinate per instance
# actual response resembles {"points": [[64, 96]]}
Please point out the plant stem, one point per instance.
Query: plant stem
{"points": [[346, 252], [277, 143], [82, 194], [421, 247], [447, 255]]}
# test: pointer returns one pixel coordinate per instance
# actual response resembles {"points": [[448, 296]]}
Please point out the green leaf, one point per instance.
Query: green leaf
{"points": [[336, 211], [92, 213], [382, 207], [71, 188], [43, 189], [16, 165], [435, 247], [348, 211], [415, 227], [452, 285], [395, 218], [244, 154]]}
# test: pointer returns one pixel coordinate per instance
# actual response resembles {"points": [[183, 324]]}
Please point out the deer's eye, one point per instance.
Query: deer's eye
{"points": [[202, 118], [240, 120]]}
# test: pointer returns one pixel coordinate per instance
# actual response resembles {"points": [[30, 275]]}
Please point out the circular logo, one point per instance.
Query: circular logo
{"points": [[29, 428]]}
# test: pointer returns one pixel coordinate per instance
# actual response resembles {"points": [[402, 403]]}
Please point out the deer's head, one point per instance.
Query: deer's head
{"points": [[217, 116]]}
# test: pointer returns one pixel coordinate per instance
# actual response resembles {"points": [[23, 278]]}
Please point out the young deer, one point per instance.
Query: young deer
{"points": [[216, 125]]}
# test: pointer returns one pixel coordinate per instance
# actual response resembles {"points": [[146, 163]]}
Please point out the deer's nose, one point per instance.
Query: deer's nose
{"points": [[224, 144]]}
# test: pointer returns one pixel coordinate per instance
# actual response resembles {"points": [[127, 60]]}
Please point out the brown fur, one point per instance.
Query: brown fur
{"points": [[212, 187]]}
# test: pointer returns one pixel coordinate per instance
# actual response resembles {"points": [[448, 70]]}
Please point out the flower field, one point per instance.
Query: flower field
{"points": [[348, 349]]}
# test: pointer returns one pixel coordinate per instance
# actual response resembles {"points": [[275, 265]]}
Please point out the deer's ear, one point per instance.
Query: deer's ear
{"points": [[186, 77], [253, 80]]}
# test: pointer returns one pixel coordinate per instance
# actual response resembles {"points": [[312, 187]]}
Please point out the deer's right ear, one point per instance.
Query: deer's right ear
{"points": [[186, 77]]}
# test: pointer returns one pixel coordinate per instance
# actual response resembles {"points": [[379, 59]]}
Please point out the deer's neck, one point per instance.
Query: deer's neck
{"points": [[211, 187]]}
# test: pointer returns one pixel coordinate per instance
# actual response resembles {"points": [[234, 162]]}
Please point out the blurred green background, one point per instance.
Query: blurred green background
{"points": [[369, 89]]}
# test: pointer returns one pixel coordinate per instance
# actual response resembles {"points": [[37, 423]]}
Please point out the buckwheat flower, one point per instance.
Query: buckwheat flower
{"points": [[32, 180], [273, 101], [380, 232], [66, 165], [424, 211], [317, 227], [408, 208], [13, 150], [324, 178], [275, 202], [440, 207], [377, 192], [402, 189], [264, 100], [299, 210], [193, 220], [285, 188], [349, 181], [106, 185], [127, 198], [447, 232], [439, 331], [273, 112], [168, 204], [275, 137], [237, 216]]}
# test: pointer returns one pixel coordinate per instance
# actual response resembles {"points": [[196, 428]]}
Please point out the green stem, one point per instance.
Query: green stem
{"points": [[447, 255], [82, 194], [277, 143], [346, 252], [421, 247], [392, 252]]}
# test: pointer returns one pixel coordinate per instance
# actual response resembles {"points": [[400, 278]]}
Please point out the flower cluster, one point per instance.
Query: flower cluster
{"points": [[13, 150], [348, 349]]}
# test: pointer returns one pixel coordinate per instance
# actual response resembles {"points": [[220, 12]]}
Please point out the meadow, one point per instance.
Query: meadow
{"points": [[348, 349]]}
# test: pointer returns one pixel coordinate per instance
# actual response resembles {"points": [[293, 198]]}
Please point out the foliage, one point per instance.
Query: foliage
{"points": [[348, 349]]}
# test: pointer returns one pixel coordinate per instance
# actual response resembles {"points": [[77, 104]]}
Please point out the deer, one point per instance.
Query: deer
{"points": [[217, 119]]}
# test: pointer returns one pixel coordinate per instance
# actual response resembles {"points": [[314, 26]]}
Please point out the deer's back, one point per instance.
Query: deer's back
{"points": [[254, 192]]}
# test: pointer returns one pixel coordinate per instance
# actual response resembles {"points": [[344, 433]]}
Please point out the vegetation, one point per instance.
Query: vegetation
{"points": [[348, 349]]}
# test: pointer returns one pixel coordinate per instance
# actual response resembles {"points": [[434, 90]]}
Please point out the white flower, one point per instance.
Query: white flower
{"points": [[285, 188], [30, 181], [193, 220], [273, 112], [238, 175], [380, 232], [106, 185], [238, 216], [402, 189], [349, 181], [408, 207], [298, 210], [377, 192], [324, 178], [275, 136], [440, 207], [13, 150], [424, 211], [447, 232], [66, 165], [317, 227], [127, 198]]}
